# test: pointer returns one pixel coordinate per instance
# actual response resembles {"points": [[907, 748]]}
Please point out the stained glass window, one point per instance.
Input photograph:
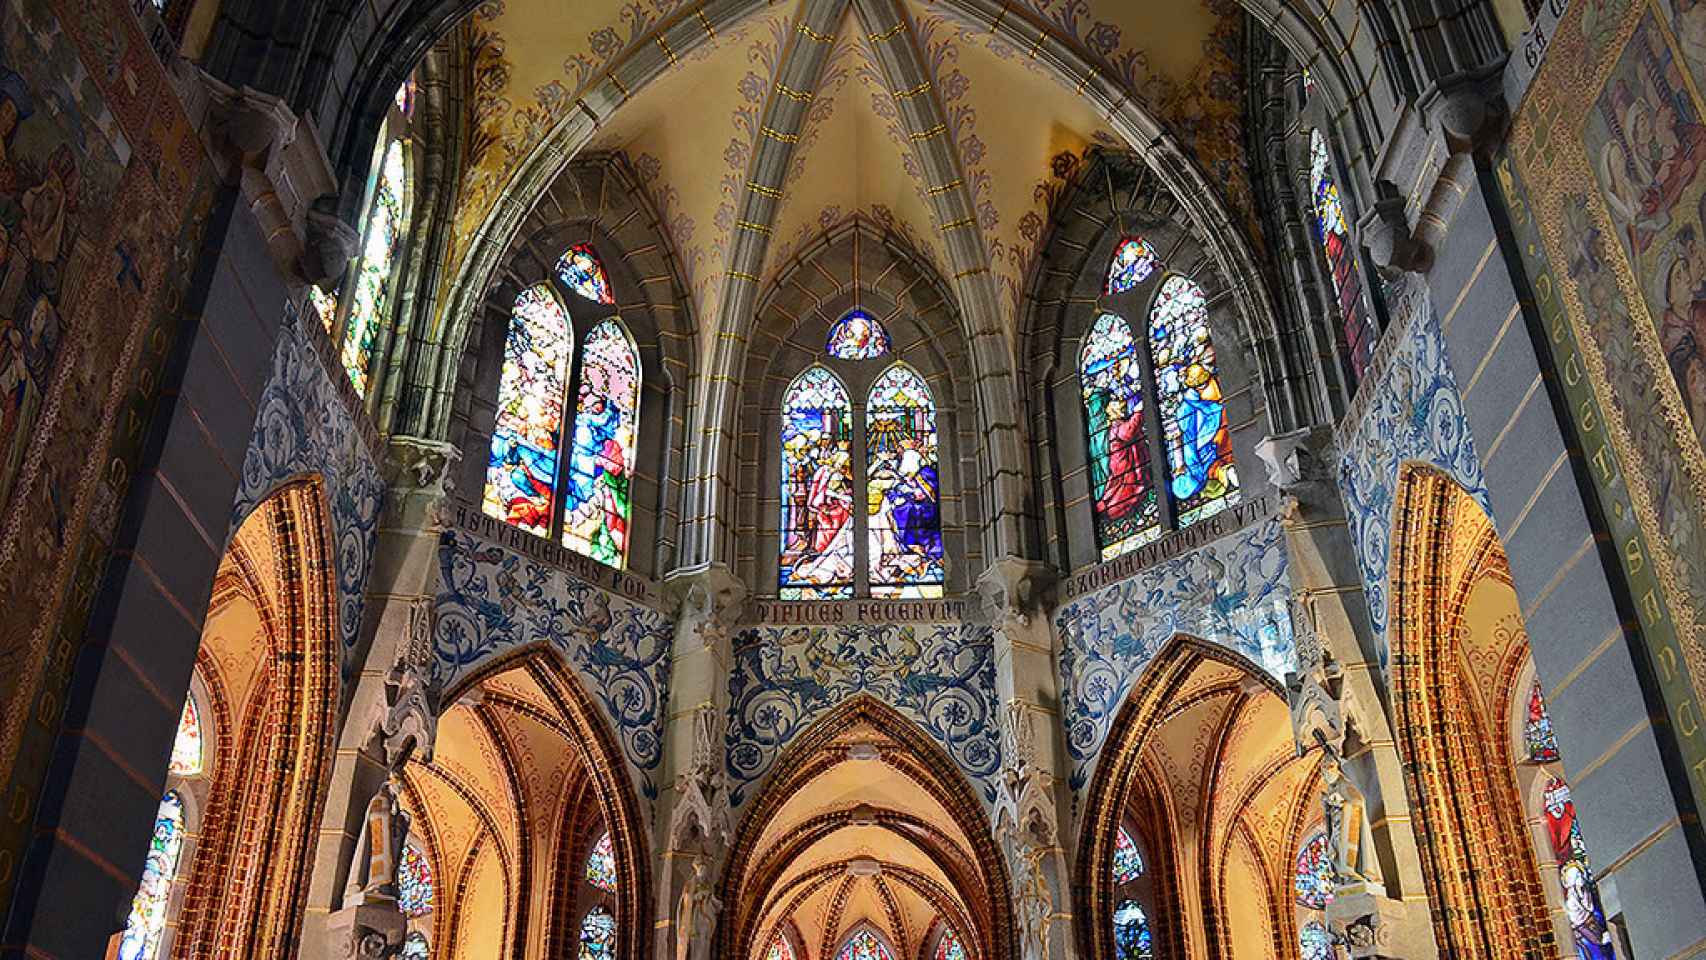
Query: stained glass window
{"points": [[780, 949], [405, 98], [1134, 261], [186, 747], [582, 272], [1124, 501], [325, 304], [1335, 237], [414, 883], [1316, 942], [1537, 730], [1314, 874], [415, 947], [386, 222], [858, 336], [1193, 412], [521, 472], [1581, 895], [903, 488], [864, 945], [1133, 940], [601, 865], [598, 935], [817, 489], [147, 923], [1128, 863], [597, 504], [950, 947]]}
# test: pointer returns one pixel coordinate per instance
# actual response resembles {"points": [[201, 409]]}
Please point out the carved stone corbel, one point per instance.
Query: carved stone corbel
{"points": [[421, 477], [1375, 927], [1013, 589], [710, 599]]}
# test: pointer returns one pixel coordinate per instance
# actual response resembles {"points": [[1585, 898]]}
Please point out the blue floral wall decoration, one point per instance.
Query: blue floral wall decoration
{"points": [[304, 426], [1412, 414], [1235, 592], [940, 675], [492, 601]]}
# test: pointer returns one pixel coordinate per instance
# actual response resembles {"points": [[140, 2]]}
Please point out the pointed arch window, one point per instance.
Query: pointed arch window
{"points": [[601, 865], [780, 948], [387, 222], [1539, 743], [864, 945], [903, 487], [146, 926], [1134, 261], [415, 947], [1333, 232], [858, 336], [187, 750], [598, 935], [949, 947], [586, 497], [1122, 497], [1133, 940], [1314, 940], [1314, 874], [1128, 863], [817, 488], [1581, 894], [415, 886]]}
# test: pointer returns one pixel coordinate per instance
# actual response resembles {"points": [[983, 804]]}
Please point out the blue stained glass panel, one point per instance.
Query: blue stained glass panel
{"points": [[864, 945], [1128, 863], [903, 488], [582, 272], [950, 947], [521, 471], [1316, 942], [1134, 260], [1133, 940], [147, 923], [598, 935], [601, 865], [1581, 894], [597, 503], [1314, 874], [414, 883], [1193, 412], [1124, 501], [858, 336], [817, 489]]}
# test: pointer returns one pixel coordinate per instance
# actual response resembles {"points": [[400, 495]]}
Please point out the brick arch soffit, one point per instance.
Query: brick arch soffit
{"points": [[920, 759], [579, 721], [902, 290], [1122, 765]]}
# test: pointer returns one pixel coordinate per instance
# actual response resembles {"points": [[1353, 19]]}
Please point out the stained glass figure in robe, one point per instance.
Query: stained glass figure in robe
{"points": [[601, 865], [1581, 895], [597, 501], [414, 883], [386, 222], [817, 489], [1335, 237], [1315, 941], [1314, 874], [187, 747], [1134, 260], [1541, 745], [415, 947], [950, 947], [1128, 863], [864, 945], [598, 935], [858, 336], [147, 923], [1133, 940], [521, 472], [780, 949], [903, 488], [582, 272], [1193, 412], [1123, 499]]}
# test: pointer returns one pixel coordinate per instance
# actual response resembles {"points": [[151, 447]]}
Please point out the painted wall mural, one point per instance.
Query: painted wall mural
{"points": [[941, 675], [1407, 411], [1235, 592], [1609, 206], [90, 306], [493, 601], [305, 423]]}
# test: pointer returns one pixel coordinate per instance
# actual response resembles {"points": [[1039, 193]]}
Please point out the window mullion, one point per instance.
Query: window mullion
{"points": [[1153, 427], [861, 505], [565, 437]]}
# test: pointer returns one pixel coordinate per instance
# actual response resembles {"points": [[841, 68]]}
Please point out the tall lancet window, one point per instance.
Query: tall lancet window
{"points": [[903, 487], [147, 923], [375, 280], [1335, 237], [1124, 500], [864, 945], [583, 498], [1193, 412], [817, 489]]}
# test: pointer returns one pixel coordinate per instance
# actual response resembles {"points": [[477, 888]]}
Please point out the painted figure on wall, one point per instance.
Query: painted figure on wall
{"points": [[817, 489]]}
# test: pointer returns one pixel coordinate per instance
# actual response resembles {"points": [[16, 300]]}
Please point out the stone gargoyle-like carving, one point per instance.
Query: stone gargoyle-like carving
{"points": [[700, 820]]}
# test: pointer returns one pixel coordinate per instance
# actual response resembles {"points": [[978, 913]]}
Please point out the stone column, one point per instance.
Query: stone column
{"points": [[392, 711], [693, 847], [1338, 708], [1033, 810]]}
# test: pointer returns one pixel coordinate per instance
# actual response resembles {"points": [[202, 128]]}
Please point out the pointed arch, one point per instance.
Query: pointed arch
{"points": [[386, 224], [598, 499], [1194, 430], [903, 485], [581, 271], [865, 942], [1128, 862], [816, 542], [189, 756], [521, 468], [1125, 502]]}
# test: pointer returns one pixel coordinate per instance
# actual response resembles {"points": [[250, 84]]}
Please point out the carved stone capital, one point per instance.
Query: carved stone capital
{"points": [[1375, 927], [710, 599], [1385, 231], [1013, 589]]}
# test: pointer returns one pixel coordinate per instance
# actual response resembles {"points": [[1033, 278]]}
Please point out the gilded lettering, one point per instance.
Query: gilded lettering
{"points": [[1634, 557], [1667, 663], [1573, 370], [1651, 607], [1686, 721]]}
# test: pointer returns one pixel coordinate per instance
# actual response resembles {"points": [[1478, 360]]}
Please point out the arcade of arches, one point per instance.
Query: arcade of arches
{"points": [[852, 479]]}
